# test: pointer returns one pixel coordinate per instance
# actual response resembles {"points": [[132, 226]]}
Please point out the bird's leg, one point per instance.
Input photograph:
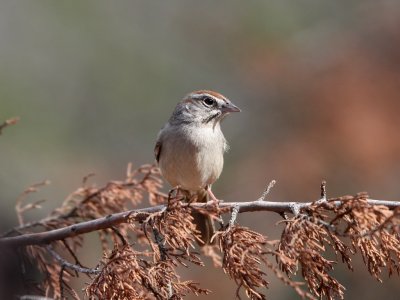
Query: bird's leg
{"points": [[190, 198], [173, 194], [212, 196]]}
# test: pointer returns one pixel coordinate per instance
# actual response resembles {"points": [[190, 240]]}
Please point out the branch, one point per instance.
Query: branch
{"points": [[141, 214]]}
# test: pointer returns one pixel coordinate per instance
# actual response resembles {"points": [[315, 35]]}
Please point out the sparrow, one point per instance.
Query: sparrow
{"points": [[190, 149]]}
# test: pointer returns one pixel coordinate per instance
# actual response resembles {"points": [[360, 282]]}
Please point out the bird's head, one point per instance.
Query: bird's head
{"points": [[203, 107]]}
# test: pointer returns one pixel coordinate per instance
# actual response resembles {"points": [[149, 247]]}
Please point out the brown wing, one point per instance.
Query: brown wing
{"points": [[157, 151]]}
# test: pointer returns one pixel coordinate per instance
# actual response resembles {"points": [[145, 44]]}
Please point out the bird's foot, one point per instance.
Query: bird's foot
{"points": [[213, 200]]}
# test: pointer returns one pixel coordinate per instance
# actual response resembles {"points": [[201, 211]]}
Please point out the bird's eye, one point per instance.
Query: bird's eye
{"points": [[208, 101]]}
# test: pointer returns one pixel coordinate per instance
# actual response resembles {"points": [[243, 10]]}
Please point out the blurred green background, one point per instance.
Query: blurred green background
{"points": [[94, 81]]}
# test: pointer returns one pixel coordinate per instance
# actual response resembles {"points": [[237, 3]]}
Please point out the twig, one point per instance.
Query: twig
{"points": [[86, 178], [34, 297], [120, 236], [8, 122], [20, 208], [141, 214], [323, 190], [159, 239], [72, 253], [65, 264], [235, 211], [61, 281], [267, 190]]}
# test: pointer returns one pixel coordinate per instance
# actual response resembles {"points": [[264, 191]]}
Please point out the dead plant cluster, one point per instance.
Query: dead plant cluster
{"points": [[129, 274], [143, 248], [243, 251], [346, 225]]}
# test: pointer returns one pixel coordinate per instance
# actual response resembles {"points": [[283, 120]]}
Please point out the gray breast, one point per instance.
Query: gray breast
{"points": [[192, 157]]}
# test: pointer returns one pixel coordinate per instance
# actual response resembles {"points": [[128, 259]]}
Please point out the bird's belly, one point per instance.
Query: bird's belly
{"points": [[191, 166]]}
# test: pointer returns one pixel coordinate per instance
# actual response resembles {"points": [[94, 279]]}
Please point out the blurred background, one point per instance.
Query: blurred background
{"points": [[318, 83]]}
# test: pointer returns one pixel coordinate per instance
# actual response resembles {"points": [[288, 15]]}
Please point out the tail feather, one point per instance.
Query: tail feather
{"points": [[203, 222]]}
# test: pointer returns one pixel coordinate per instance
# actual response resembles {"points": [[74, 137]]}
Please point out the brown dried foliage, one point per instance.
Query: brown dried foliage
{"points": [[175, 234], [246, 254], [243, 250], [306, 239], [141, 256], [128, 274], [88, 203], [125, 273], [55, 277], [302, 244], [373, 231]]}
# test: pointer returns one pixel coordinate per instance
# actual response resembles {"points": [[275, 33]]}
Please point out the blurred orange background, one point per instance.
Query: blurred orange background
{"points": [[318, 83]]}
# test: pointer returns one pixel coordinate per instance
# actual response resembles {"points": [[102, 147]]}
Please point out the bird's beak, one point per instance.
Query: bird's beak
{"points": [[230, 107]]}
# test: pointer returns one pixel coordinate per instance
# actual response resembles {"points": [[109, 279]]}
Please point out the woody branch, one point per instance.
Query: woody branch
{"points": [[111, 220]]}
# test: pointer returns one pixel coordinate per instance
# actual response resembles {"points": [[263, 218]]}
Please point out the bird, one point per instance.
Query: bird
{"points": [[190, 149]]}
